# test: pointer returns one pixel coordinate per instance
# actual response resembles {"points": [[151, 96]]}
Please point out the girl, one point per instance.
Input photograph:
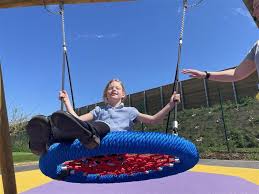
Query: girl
{"points": [[90, 128]]}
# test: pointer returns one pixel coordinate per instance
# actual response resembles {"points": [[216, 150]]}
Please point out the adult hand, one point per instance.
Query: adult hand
{"points": [[194, 73]]}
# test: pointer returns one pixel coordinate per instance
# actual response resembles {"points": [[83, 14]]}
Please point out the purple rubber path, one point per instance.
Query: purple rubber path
{"points": [[184, 183]]}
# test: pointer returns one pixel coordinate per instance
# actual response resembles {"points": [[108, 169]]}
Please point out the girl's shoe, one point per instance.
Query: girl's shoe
{"points": [[68, 126], [39, 131]]}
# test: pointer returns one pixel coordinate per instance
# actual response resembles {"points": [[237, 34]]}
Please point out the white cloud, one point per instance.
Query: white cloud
{"points": [[100, 36], [81, 36], [243, 13]]}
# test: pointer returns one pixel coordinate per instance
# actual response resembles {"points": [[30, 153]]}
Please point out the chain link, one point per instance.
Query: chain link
{"points": [[63, 25], [183, 21]]}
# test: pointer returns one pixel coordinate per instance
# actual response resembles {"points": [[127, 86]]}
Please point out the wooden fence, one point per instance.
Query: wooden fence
{"points": [[195, 93]]}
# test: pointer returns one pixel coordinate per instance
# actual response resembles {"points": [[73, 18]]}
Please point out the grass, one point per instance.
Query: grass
{"points": [[205, 128], [20, 157]]}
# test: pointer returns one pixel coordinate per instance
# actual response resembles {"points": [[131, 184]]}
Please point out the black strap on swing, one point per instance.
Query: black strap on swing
{"points": [[176, 79]]}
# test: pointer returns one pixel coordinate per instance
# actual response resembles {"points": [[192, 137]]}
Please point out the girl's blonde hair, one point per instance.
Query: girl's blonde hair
{"points": [[106, 89]]}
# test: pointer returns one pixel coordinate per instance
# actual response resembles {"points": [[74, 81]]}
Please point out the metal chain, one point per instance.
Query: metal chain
{"points": [[183, 21], [61, 12]]}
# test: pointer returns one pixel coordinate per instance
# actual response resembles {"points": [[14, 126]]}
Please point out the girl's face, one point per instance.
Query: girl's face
{"points": [[115, 92]]}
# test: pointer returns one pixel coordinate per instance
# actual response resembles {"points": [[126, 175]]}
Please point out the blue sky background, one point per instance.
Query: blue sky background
{"points": [[136, 42]]}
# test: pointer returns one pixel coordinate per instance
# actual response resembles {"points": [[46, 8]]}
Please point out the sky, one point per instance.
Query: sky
{"points": [[135, 41]]}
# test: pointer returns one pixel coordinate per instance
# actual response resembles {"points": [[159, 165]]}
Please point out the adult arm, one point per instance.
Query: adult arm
{"points": [[243, 70]]}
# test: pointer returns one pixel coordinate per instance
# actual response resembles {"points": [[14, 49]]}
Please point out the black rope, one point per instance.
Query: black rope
{"points": [[63, 78], [70, 82]]}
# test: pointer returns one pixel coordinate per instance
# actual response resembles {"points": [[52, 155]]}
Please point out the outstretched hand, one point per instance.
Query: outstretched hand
{"points": [[194, 73]]}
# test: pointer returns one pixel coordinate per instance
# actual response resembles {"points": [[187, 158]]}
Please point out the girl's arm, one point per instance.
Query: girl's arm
{"points": [[158, 117], [64, 97]]}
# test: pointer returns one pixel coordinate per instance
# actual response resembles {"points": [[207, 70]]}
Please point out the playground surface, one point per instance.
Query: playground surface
{"points": [[208, 177]]}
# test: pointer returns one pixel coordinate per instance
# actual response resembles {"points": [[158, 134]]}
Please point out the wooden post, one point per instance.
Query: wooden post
{"points": [[235, 93], [145, 108], [6, 159], [129, 100], [161, 97], [181, 93], [145, 102], [206, 92], [25, 3]]}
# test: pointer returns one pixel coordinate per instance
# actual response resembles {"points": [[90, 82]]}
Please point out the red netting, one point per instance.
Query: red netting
{"points": [[120, 164]]}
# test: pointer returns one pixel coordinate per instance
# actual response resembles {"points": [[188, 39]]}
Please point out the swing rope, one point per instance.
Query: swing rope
{"points": [[65, 62], [65, 58], [176, 79]]}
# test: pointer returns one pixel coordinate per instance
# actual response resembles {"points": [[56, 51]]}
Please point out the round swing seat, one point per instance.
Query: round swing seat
{"points": [[121, 157]]}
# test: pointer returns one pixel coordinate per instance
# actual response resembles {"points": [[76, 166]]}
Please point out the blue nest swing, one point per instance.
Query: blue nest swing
{"points": [[120, 153], [182, 152]]}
